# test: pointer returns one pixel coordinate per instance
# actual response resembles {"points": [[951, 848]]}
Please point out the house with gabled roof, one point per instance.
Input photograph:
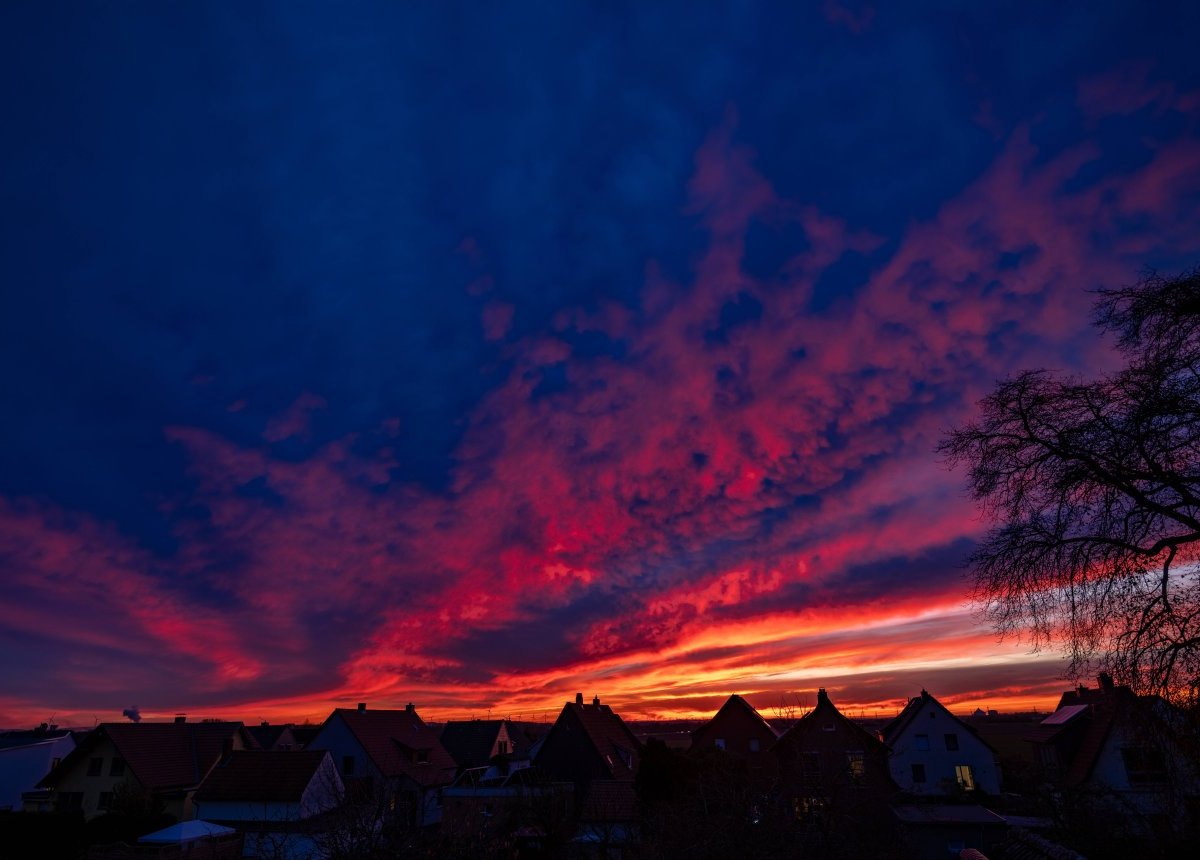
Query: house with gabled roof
{"points": [[834, 775], [739, 729], [274, 737], [1132, 758], [590, 747], [589, 742], [394, 751], [26, 757], [474, 743], [168, 760], [933, 752], [274, 798]]}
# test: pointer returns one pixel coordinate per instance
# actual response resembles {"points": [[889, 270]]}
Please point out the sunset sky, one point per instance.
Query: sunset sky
{"points": [[474, 357]]}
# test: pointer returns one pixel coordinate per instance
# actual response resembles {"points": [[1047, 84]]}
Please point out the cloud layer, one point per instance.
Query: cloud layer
{"points": [[650, 415]]}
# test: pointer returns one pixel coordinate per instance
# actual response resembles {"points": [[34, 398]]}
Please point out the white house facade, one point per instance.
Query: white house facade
{"points": [[935, 753]]}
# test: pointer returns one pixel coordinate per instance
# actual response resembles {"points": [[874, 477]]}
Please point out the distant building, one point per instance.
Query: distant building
{"points": [[275, 737], [396, 752], [26, 757], [738, 729], [168, 760], [935, 753]]}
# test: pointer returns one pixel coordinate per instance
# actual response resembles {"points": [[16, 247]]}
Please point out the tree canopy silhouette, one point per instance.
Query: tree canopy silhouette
{"points": [[1093, 489]]}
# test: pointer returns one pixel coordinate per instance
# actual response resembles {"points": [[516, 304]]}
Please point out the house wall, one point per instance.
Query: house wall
{"points": [[940, 762], [76, 780], [737, 730], [21, 768], [336, 737], [568, 753], [339, 740], [324, 791]]}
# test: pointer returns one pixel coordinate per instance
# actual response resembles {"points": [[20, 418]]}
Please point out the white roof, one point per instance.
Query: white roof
{"points": [[186, 831]]}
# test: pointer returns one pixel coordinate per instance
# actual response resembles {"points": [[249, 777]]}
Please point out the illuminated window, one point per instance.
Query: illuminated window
{"points": [[966, 779], [952, 743], [922, 742], [856, 764]]}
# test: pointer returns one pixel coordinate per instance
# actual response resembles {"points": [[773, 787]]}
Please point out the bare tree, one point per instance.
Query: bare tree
{"points": [[1094, 491]]}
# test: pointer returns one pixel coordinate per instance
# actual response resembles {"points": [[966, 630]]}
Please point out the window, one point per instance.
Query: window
{"points": [[117, 767], [719, 743], [952, 743], [810, 767], [95, 766], [966, 779], [347, 765], [754, 745], [70, 801], [856, 765], [105, 800], [922, 742], [422, 756], [918, 773], [1144, 765], [502, 748], [828, 727], [55, 762]]}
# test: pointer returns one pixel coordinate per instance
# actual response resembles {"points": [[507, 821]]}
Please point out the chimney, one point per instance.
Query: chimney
{"points": [[822, 697], [180, 718], [410, 708], [595, 701], [264, 724], [579, 698], [362, 706], [1106, 682]]}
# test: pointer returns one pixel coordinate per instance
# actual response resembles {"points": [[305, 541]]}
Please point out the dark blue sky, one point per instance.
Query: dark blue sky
{"points": [[360, 259]]}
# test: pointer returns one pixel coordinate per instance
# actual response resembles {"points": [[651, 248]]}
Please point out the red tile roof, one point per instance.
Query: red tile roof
{"points": [[395, 740], [160, 755], [735, 705], [606, 732], [263, 776]]}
